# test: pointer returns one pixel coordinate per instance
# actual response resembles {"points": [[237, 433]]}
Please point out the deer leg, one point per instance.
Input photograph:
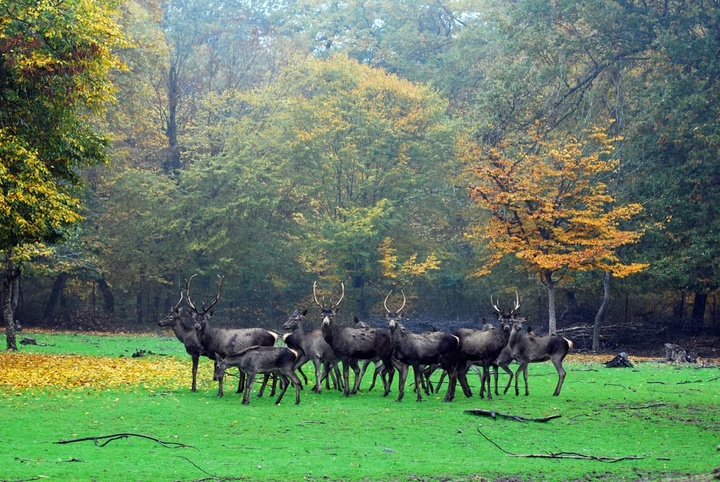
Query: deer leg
{"points": [[346, 378], [452, 383], [284, 382], [561, 376], [418, 381], [195, 361], [390, 374], [485, 381], [364, 368], [517, 379], [495, 373], [402, 373], [249, 380], [440, 381], [510, 373], [356, 370], [462, 378], [378, 368], [220, 386], [241, 381], [321, 373], [264, 383]]}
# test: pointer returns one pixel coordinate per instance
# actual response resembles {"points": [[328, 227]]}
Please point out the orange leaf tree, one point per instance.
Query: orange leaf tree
{"points": [[551, 206]]}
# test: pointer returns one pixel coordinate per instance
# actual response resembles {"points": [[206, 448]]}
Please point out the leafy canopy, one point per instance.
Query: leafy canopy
{"points": [[55, 62], [551, 204]]}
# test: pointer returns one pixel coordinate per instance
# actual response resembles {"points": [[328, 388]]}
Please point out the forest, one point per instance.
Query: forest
{"points": [[452, 149]]}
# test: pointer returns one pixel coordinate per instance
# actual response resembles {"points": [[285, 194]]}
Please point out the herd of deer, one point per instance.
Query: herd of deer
{"points": [[253, 350]]}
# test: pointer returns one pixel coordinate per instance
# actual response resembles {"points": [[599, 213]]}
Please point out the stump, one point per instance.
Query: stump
{"points": [[677, 354], [620, 361]]}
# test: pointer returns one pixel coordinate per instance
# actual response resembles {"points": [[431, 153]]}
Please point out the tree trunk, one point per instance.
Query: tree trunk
{"points": [[107, 295], [55, 294], [698, 309], [139, 307], [6, 301], [600, 315], [552, 317]]}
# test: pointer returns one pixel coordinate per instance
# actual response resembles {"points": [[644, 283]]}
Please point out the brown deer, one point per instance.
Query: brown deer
{"points": [[267, 360], [314, 347], [225, 341], [481, 347], [419, 349], [353, 344], [187, 336], [529, 348]]}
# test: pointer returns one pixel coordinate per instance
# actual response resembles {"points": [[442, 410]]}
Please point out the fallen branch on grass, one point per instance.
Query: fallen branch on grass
{"points": [[493, 414], [116, 436], [562, 455]]}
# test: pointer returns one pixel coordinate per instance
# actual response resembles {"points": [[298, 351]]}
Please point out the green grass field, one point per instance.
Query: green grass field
{"points": [[654, 422]]}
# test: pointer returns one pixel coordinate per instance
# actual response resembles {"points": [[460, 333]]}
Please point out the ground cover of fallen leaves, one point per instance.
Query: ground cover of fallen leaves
{"points": [[21, 371]]}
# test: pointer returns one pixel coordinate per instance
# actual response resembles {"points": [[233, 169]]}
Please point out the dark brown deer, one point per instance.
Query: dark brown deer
{"points": [[267, 360], [419, 349], [481, 347], [529, 348], [353, 344], [315, 349], [187, 336], [225, 341]]}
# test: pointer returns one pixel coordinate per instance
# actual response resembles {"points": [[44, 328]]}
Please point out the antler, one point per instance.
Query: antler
{"points": [[517, 303], [187, 291], [315, 295], [401, 308], [217, 297], [342, 296], [494, 305], [175, 308]]}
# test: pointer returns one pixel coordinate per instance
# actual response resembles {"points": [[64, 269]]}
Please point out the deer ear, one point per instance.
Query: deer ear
{"points": [[217, 356], [336, 310]]}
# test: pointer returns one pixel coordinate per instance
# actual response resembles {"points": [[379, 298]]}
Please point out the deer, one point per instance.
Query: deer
{"points": [[314, 347], [529, 348], [225, 341], [419, 349], [187, 337], [262, 359], [352, 344], [482, 347]]}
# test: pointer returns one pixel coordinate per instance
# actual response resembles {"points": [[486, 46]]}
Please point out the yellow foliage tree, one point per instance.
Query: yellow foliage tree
{"points": [[551, 205]]}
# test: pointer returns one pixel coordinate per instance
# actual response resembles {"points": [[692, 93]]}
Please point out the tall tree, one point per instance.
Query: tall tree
{"points": [[551, 207], [55, 62]]}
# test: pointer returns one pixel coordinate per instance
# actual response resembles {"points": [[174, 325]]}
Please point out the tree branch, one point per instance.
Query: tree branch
{"points": [[117, 436], [562, 455], [493, 414]]}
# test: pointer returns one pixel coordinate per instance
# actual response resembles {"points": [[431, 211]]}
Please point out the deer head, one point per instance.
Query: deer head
{"points": [[295, 320], [394, 317], [174, 314], [327, 313], [201, 316]]}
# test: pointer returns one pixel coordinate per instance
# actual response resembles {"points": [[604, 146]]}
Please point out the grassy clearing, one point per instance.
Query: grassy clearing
{"points": [[668, 416]]}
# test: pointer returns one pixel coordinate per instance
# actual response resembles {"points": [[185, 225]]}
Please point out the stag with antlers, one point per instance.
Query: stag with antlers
{"points": [[353, 344], [417, 350], [225, 341]]}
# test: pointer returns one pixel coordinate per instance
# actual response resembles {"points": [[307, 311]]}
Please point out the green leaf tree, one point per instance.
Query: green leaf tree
{"points": [[55, 62]]}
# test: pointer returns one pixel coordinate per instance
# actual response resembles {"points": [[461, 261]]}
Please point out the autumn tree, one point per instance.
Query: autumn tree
{"points": [[551, 207], [55, 62]]}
